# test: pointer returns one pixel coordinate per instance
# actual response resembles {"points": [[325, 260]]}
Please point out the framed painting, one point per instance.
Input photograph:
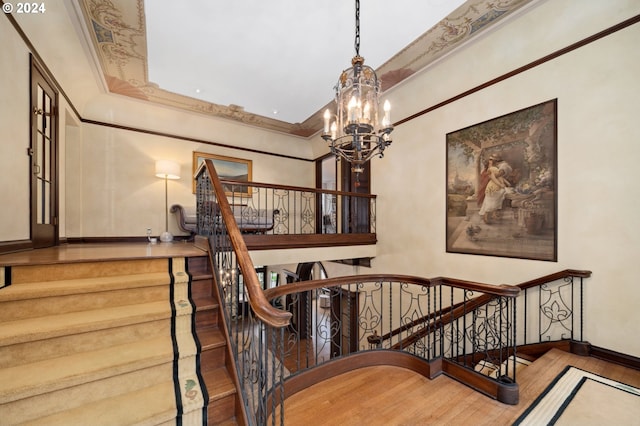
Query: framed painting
{"points": [[227, 168], [502, 186]]}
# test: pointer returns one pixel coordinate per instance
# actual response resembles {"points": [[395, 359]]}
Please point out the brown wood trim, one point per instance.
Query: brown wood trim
{"points": [[490, 290], [624, 24], [335, 367], [536, 350], [505, 290], [252, 241], [272, 242], [580, 348], [481, 383], [567, 273], [615, 357], [14, 246], [107, 240]]}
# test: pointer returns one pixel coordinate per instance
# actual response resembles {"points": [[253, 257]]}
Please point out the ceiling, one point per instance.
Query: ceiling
{"points": [[279, 58], [271, 64]]}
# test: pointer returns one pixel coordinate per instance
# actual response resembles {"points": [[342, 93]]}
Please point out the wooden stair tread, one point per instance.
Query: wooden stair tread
{"points": [[152, 405], [219, 383], [31, 329], [210, 338], [200, 275], [35, 290], [205, 303], [57, 373]]}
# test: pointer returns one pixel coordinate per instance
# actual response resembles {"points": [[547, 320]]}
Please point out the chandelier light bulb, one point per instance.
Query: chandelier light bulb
{"points": [[327, 117], [386, 120]]}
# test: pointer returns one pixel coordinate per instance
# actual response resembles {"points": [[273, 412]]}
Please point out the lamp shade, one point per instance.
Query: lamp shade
{"points": [[167, 169]]}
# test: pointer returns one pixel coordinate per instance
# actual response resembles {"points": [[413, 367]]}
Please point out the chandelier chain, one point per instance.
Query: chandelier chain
{"points": [[357, 41]]}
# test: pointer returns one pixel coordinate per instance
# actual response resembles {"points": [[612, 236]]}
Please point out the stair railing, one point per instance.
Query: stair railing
{"points": [[550, 313], [439, 321], [255, 327], [282, 337]]}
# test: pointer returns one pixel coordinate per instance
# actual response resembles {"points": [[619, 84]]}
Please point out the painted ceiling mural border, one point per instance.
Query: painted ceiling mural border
{"points": [[118, 33]]}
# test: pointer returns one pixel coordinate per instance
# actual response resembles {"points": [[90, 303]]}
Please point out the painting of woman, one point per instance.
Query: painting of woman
{"points": [[496, 188]]}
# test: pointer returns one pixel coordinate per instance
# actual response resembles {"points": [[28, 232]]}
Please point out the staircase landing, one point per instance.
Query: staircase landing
{"points": [[69, 253]]}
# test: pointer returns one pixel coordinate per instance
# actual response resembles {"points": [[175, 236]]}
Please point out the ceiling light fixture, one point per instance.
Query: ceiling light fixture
{"points": [[355, 134]]}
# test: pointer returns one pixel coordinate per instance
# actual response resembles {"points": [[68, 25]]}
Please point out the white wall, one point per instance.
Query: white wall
{"points": [[597, 88]]}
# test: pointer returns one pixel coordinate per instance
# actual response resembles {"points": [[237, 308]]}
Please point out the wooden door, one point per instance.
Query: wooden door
{"points": [[44, 161], [356, 211]]}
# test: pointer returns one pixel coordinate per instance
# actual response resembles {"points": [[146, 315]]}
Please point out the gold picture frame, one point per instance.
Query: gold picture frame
{"points": [[227, 168]]}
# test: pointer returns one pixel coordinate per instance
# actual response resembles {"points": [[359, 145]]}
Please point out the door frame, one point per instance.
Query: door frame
{"points": [[43, 235]]}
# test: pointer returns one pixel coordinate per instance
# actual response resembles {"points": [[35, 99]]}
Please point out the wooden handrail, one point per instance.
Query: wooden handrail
{"points": [[490, 292], [493, 290], [261, 307], [555, 276], [295, 188]]}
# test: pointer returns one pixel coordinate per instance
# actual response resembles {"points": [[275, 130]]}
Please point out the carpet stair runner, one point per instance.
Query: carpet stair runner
{"points": [[111, 342]]}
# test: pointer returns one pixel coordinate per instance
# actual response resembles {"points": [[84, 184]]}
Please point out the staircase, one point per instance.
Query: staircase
{"points": [[112, 343]]}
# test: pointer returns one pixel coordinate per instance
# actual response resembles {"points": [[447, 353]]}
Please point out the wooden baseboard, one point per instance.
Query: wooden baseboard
{"points": [[107, 240], [616, 357], [15, 246], [342, 365], [505, 391]]}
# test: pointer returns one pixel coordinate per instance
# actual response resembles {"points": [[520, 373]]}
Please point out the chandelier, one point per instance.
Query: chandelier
{"points": [[354, 132]]}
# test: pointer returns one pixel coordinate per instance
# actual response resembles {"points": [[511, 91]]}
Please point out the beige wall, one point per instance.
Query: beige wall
{"points": [[120, 195], [597, 88], [14, 137]]}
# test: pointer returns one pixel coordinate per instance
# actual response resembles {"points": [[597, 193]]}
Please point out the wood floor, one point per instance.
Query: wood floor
{"points": [[107, 251], [394, 396]]}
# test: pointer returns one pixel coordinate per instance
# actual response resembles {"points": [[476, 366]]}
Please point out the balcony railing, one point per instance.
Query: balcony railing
{"points": [[270, 209]]}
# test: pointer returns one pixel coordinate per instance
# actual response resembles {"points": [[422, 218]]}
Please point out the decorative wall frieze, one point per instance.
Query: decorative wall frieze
{"points": [[118, 35]]}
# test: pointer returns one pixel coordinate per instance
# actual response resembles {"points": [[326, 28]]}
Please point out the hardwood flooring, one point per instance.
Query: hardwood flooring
{"points": [[106, 251], [395, 396]]}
